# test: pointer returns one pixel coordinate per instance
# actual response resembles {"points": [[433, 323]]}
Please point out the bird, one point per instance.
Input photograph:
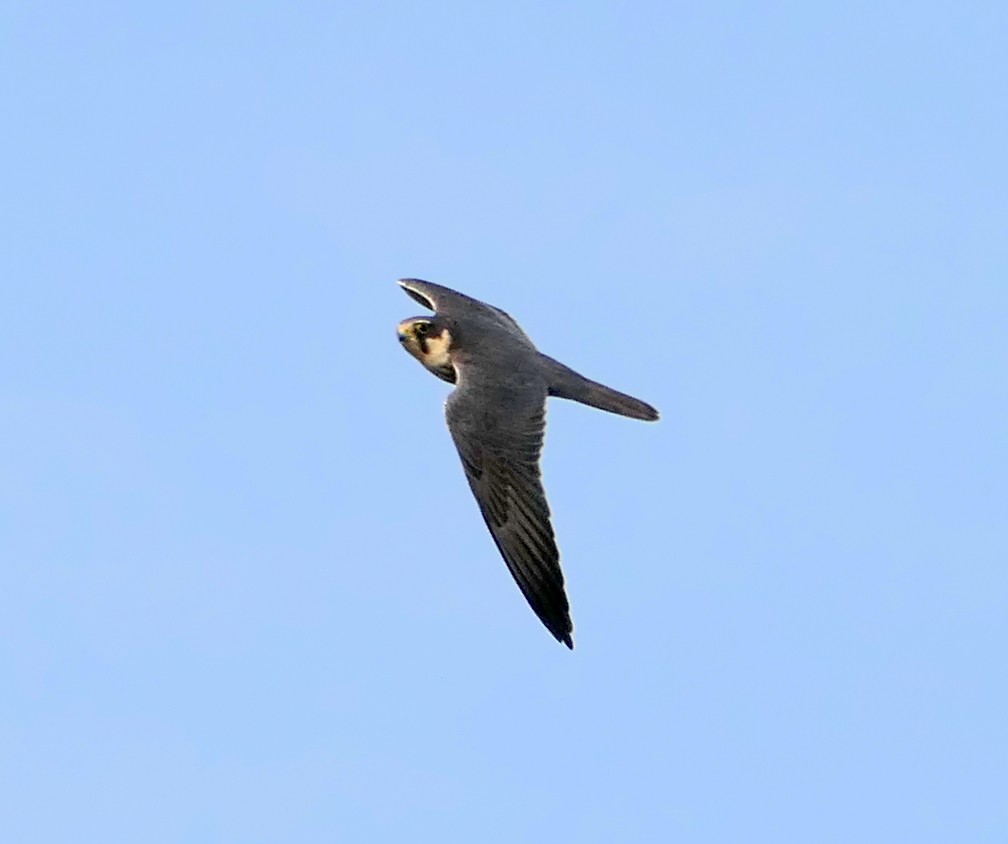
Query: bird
{"points": [[497, 419]]}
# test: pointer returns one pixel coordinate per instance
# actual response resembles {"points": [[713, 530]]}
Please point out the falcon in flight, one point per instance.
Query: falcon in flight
{"points": [[497, 417]]}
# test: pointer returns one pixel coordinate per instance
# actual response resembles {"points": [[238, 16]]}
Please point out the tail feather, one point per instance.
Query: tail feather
{"points": [[565, 383]]}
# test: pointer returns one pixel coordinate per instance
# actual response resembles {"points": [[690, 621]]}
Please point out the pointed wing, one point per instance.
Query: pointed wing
{"points": [[499, 436], [450, 302]]}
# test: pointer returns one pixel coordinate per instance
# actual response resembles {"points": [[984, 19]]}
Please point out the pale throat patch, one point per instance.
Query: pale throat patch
{"points": [[437, 350]]}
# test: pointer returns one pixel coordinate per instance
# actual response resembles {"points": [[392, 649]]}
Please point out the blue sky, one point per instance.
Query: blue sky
{"points": [[245, 595]]}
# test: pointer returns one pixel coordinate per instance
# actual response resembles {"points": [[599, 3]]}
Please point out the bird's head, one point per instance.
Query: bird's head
{"points": [[429, 340]]}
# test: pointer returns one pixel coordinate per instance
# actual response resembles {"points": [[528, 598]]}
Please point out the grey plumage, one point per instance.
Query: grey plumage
{"points": [[497, 417]]}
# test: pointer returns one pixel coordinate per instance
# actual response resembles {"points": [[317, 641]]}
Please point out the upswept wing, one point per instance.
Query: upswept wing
{"points": [[450, 302]]}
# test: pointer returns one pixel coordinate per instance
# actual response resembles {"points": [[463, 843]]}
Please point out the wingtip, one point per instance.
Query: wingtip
{"points": [[410, 285], [566, 638]]}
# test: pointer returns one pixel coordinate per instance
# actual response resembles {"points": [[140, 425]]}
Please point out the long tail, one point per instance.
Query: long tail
{"points": [[565, 383]]}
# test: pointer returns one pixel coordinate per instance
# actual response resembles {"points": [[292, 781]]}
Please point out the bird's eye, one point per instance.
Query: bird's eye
{"points": [[422, 328]]}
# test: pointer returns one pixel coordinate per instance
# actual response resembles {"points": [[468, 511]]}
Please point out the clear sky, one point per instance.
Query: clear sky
{"points": [[245, 595]]}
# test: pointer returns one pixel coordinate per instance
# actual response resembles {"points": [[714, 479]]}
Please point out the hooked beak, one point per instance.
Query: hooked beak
{"points": [[404, 330]]}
